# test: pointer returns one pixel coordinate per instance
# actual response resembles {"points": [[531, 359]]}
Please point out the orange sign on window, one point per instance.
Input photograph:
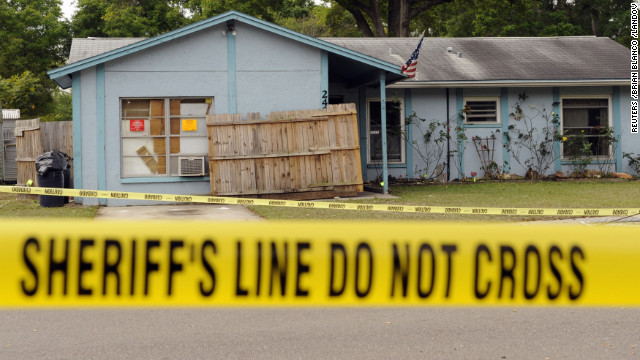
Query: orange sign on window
{"points": [[189, 125]]}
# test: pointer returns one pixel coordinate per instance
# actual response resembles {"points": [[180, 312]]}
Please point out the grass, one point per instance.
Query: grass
{"points": [[523, 194], [12, 206]]}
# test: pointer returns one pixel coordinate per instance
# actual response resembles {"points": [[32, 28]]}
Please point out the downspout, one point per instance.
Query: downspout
{"points": [[448, 140]]}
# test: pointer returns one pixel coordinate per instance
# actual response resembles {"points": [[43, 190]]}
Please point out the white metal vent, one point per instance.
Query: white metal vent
{"points": [[191, 166]]}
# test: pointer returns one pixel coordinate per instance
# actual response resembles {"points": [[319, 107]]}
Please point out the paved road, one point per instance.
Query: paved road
{"points": [[346, 333]]}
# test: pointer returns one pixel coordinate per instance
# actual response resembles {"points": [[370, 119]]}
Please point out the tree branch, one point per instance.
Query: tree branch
{"points": [[422, 6]]}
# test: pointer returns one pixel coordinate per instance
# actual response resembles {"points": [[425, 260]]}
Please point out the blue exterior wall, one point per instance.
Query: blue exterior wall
{"points": [[272, 73], [630, 142], [430, 104], [88, 116], [275, 73]]}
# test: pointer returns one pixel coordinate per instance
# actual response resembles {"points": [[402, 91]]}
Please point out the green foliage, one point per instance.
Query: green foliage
{"points": [[524, 194], [322, 21], [465, 18], [34, 38], [10, 207], [132, 18], [580, 152], [26, 92], [634, 161], [61, 107], [269, 10]]}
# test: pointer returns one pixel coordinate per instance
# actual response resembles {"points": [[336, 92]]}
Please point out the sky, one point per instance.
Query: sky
{"points": [[68, 8]]}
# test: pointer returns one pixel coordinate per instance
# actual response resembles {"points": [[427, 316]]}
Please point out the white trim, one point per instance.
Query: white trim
{"points": [[403, 155], [411, 84], [609, 117], [483, 98]]}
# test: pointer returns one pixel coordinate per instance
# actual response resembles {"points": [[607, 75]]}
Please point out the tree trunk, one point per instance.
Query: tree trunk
{"points": [[376, 19], [399, 18], [595, 17], [400, 14]]}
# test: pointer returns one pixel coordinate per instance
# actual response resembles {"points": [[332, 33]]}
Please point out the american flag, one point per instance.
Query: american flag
{"points": [[409, 67]]}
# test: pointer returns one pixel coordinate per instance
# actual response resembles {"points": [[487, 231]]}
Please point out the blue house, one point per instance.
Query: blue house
{"points": [[140, 99]]}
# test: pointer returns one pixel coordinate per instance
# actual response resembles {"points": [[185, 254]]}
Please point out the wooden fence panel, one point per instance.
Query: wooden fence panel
{"points": [[28, 148], [34, 138], [297, 154]]}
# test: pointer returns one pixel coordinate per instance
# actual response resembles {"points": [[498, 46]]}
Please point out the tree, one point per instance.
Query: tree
{"points": [[323, 21], [34, 38], [126, 18], [26, 92], [462, 18], [269, 10], [372, 15]]}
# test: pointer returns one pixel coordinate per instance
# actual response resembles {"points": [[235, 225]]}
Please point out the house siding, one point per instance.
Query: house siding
{"points": [[272, 73], [430, 104], [89, 131]]}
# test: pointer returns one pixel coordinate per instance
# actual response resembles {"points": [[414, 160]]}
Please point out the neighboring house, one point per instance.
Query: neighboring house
{"points": [[8, 163], [130, 95]]}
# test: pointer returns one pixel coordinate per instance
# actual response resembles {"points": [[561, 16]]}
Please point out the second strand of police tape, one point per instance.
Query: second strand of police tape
{"points": [[21, 190]]}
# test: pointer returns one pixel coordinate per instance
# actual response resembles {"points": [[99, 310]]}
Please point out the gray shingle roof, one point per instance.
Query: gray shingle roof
{"points": [[481, 59], [499, 59], [85, 48]]}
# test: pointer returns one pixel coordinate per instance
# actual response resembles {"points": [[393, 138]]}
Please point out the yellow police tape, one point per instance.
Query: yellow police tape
{"points": [[468, 210], [66, 263]]}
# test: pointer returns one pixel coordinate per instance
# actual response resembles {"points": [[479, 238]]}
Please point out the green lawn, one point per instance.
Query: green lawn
{"points": [[12, 206], [570, 194], [550, 194]]}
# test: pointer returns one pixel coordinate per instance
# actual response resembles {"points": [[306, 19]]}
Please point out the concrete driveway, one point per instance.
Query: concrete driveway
{"points": [[178, 212], [197, 211]]}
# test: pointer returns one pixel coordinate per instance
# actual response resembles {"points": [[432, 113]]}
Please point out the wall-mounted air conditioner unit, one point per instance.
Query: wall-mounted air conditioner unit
{"points": [[191, 166]]}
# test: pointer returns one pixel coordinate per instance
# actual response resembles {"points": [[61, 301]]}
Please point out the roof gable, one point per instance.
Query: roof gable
{"points": [[62, 75]]}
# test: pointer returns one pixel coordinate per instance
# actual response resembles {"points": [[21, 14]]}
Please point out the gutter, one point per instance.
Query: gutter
{"points": [[508, 83]]}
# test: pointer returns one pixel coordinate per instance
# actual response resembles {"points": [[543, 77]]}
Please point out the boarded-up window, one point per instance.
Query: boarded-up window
{"points": [[157, 132]]}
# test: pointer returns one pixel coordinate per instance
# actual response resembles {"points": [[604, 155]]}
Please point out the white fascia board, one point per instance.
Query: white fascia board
{"points": [[507, 83]]}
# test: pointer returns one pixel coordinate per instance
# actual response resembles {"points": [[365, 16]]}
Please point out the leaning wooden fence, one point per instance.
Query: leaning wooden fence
{"points": [[28, 148], [293, 154], [34, 138]]}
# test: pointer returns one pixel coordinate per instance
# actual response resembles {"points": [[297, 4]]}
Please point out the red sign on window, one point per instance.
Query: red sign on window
{"points": [[136, 125]]}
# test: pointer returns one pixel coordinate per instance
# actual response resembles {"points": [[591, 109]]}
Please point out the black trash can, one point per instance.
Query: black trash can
{"points": [[52, 179]]}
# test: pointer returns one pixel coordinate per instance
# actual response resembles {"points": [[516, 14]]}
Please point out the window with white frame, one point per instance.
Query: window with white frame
{"points": [[587, 119], [164, 137], [484, 110], [395, 129]]}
